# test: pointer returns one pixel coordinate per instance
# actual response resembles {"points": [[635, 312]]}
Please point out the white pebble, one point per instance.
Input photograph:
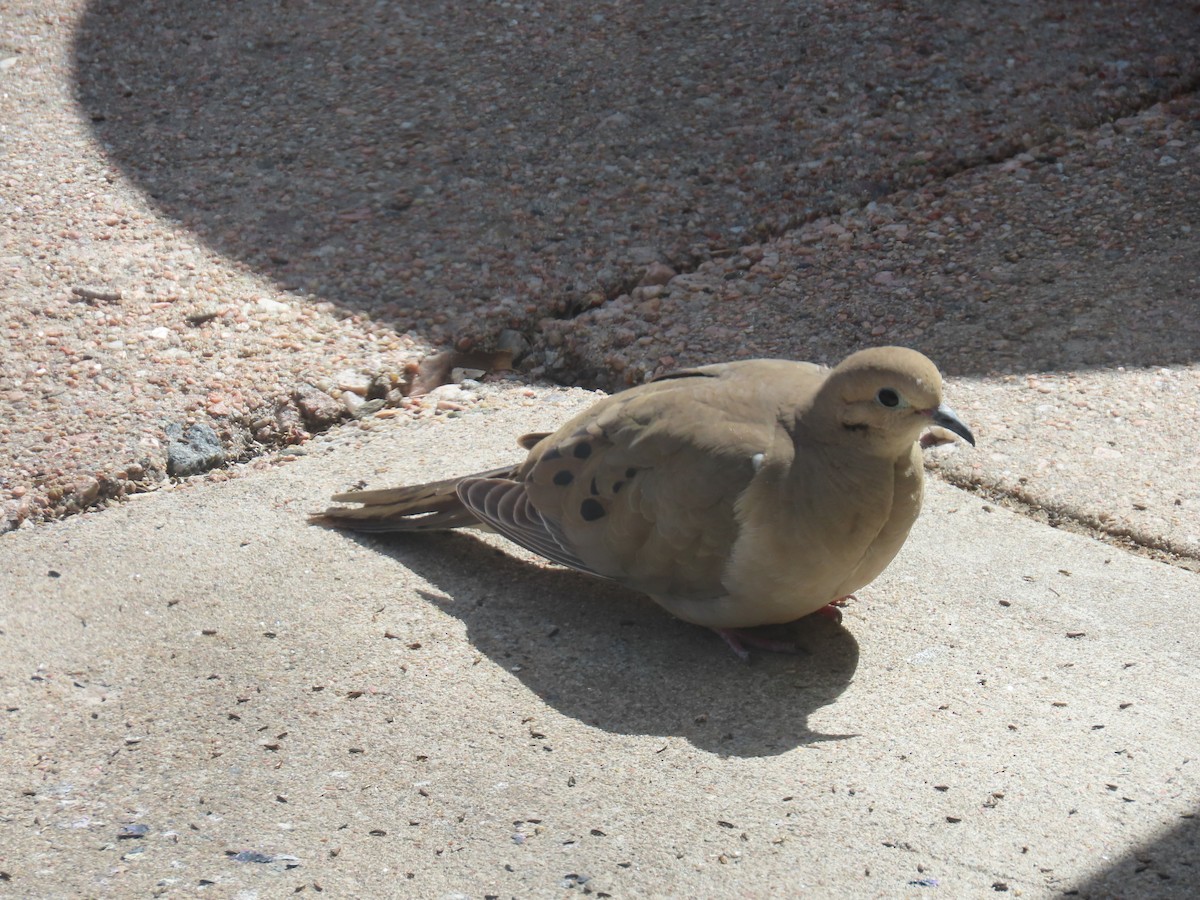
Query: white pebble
{"points": [[350, 380]]}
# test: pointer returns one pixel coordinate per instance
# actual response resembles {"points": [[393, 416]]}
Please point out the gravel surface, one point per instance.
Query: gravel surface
{"points": [[257, 223], [1080, 253], [393, 159]]}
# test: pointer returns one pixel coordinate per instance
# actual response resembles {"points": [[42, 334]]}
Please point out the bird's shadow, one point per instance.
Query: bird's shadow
{"points": [[610, 658]]}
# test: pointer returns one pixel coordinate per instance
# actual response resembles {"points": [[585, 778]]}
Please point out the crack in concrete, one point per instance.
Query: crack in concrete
{"points": [[1007, 151], [1076, 521]]}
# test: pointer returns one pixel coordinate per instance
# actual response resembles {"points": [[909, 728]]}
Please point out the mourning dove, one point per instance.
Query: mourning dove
{"points": [[740, 494]]}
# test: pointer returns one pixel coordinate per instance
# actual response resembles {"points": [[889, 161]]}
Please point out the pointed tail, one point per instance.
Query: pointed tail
{"points": [[421, 507]]}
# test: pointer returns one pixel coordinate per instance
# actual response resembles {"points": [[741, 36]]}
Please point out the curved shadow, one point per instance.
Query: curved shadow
{"points": [[1166, 867], [458, 168], [612, 659]]}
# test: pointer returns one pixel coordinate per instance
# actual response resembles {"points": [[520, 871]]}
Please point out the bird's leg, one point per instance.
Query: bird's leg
{"points": [[738, 639], [832, 610]]}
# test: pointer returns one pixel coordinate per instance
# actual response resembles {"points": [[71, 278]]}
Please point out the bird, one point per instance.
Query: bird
{"points": [[734, 495]]}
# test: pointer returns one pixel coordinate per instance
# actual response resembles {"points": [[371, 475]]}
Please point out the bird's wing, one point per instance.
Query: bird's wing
{"points": [[642, 486]]}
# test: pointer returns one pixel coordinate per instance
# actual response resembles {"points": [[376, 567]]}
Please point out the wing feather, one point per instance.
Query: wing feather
{"points": [[504, 505]]}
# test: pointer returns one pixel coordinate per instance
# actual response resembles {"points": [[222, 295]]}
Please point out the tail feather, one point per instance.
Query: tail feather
{"points": [[421, 507]]}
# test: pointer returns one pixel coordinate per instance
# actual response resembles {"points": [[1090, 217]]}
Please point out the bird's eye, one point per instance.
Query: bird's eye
{"points": [[887, 397]]}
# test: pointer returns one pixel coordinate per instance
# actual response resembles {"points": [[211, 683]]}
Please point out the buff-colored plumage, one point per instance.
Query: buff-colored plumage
{"points": [[735, 495]]}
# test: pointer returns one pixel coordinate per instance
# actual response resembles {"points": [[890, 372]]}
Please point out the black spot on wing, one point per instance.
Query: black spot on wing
{"points": [[591, 510], [582, 450], [563, 477]]}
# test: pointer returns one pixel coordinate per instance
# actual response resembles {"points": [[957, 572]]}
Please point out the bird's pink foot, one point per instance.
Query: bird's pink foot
{"points": [[739, 639], [833, 610]]}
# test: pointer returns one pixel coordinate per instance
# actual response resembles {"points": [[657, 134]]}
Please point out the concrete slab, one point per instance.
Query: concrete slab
{"points": [[263, 706]]}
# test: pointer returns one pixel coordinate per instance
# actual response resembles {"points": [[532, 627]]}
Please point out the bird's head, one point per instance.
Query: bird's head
{"points": [[884, 397]]}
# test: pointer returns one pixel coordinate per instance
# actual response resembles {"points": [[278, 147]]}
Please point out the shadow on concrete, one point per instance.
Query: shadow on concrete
{"points": [[1168, 867], [612, 659], [459, 168]]}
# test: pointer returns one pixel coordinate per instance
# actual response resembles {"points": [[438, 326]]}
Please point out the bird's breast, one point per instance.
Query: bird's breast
{"points": [[814, 534]]}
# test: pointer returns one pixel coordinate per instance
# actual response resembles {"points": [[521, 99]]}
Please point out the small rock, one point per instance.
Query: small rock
{"points": [[352, 402], [381, 384], [193, 451], [271, 306], [88, 488], [200, 316], [451, 392], [657, 273], [251, 856], [357, 382], [514, 342], [368, 408], [317, 409]]}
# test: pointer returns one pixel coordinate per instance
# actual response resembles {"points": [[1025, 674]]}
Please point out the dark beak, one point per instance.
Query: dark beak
{"points": [[948, 419]]}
